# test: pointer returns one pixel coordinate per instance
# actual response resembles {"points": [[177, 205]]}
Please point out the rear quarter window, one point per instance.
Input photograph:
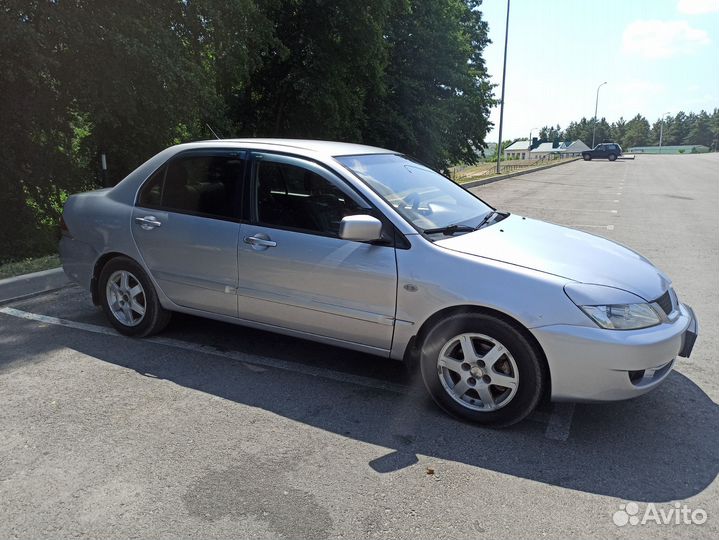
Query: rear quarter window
{"points": [[151, 192]]}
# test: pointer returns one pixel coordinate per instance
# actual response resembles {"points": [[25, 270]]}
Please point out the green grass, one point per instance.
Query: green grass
{"points": [[26, 266]]}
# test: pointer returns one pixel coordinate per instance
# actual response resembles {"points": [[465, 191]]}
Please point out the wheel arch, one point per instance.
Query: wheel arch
{"points": [[411, 356], [100, 263]]}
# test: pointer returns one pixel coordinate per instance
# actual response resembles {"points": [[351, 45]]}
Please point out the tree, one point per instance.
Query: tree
{"points": [[315, 80], [714, 127], [585, 130], [678, 129], [637, 133], [551, 133], [693, 128], [618, 131], [435, 100], [601, 131], [83, 78], [581, 130], [36, 141], [155, 73], [700, 132]]}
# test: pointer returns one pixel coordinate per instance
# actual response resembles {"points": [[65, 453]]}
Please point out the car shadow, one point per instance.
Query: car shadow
{"points": [[659, 447]]}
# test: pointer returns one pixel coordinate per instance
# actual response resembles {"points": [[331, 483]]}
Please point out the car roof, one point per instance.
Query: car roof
{"points": [[330, 148]]}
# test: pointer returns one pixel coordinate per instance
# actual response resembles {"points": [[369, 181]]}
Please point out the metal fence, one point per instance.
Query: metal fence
{"points": [[466, 173]]}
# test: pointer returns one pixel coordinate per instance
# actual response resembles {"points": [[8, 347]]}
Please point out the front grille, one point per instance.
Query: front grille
{"points": [[665, 302]]}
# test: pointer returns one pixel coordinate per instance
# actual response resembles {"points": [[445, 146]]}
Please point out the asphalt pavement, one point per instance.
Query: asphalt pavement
{"points": [[214, 430]]}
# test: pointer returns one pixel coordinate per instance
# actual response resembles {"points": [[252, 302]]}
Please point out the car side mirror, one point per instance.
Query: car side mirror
{"points": [[362, 228]]}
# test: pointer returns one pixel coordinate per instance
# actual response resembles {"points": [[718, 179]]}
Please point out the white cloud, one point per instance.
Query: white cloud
{"points": [[662, 39], [697, 7]]}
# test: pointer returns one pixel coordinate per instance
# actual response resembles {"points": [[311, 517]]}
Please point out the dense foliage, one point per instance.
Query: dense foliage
{"points": [[127, 78], [682, 128]]}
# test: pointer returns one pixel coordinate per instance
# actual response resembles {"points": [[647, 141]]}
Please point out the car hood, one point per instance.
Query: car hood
{"points": [[564, 252]]}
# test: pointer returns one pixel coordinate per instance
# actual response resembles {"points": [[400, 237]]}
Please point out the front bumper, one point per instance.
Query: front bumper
{"points": [[593, 364]]}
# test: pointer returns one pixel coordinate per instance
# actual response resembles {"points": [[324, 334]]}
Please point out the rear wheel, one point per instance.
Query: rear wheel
{"points": [[612, 157], [587, 157], [482, 369], [129, 300]]}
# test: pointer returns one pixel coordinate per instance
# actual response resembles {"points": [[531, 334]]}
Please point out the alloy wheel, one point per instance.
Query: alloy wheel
{"points": [[478, 372], [126, 298]]}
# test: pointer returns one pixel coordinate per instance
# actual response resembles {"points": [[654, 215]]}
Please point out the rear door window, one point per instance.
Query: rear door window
{"points": [[205, 185]]}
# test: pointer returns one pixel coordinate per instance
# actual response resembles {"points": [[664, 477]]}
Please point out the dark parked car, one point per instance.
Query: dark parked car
{"points": [[610, 151]]}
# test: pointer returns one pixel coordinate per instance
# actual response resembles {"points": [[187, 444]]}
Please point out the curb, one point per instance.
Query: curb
{"points": [[27, 285], [476, 183]]}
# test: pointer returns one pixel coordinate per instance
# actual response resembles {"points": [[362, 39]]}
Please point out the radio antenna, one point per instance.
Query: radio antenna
{"points": [[213, 132]]}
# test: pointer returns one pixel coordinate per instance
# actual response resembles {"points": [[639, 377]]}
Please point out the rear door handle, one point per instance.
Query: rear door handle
{"points": [[258, 241], [148, 222]]}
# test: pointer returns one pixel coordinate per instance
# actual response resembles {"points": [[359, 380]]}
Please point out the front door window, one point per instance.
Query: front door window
{"points": [[292, 197]]}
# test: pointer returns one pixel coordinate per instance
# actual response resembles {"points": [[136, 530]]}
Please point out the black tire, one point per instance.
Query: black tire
{"points": [[586, 157], [612, 157], [155, 317], [531, 375]]}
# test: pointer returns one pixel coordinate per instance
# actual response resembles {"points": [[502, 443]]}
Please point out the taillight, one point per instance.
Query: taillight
{"points": [[63, 228]]}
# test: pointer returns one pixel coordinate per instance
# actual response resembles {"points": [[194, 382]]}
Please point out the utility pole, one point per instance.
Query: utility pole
{"points": [[529, 146], [504, 79], [103, 168], [596, 105]]}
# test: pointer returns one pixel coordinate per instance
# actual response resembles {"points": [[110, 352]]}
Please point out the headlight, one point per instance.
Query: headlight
{"points": [[623, 316]]}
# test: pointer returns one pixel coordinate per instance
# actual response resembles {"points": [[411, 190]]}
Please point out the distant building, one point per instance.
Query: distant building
{"points": [[543, 151], [677, 149], [517, 150], [572, 149]]}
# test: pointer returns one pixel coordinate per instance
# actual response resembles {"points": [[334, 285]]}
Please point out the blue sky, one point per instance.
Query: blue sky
{"points": [[657, 56]]}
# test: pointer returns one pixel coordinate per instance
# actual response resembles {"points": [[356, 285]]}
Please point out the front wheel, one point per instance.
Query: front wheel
{"points": [[482, 369], [587, 157], [612, 157], [129, 300]]}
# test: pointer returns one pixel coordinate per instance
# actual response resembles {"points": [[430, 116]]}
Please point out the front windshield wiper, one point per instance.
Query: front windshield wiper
{"points": [[490, 215], [486, 218], [449, 230]]}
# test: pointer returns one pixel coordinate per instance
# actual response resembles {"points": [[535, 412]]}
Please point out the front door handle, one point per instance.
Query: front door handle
{"points": [[257, 240], [148, 222]]}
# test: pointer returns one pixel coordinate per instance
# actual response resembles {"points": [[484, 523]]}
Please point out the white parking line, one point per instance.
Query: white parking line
{"points": [[258, 364], [250, 361]]}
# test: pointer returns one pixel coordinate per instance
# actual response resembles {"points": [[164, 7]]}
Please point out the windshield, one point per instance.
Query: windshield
{"points": [[422, 196]]}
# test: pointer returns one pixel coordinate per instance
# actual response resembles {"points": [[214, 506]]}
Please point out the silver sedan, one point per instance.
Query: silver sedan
{"points": [[370, 250]]}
